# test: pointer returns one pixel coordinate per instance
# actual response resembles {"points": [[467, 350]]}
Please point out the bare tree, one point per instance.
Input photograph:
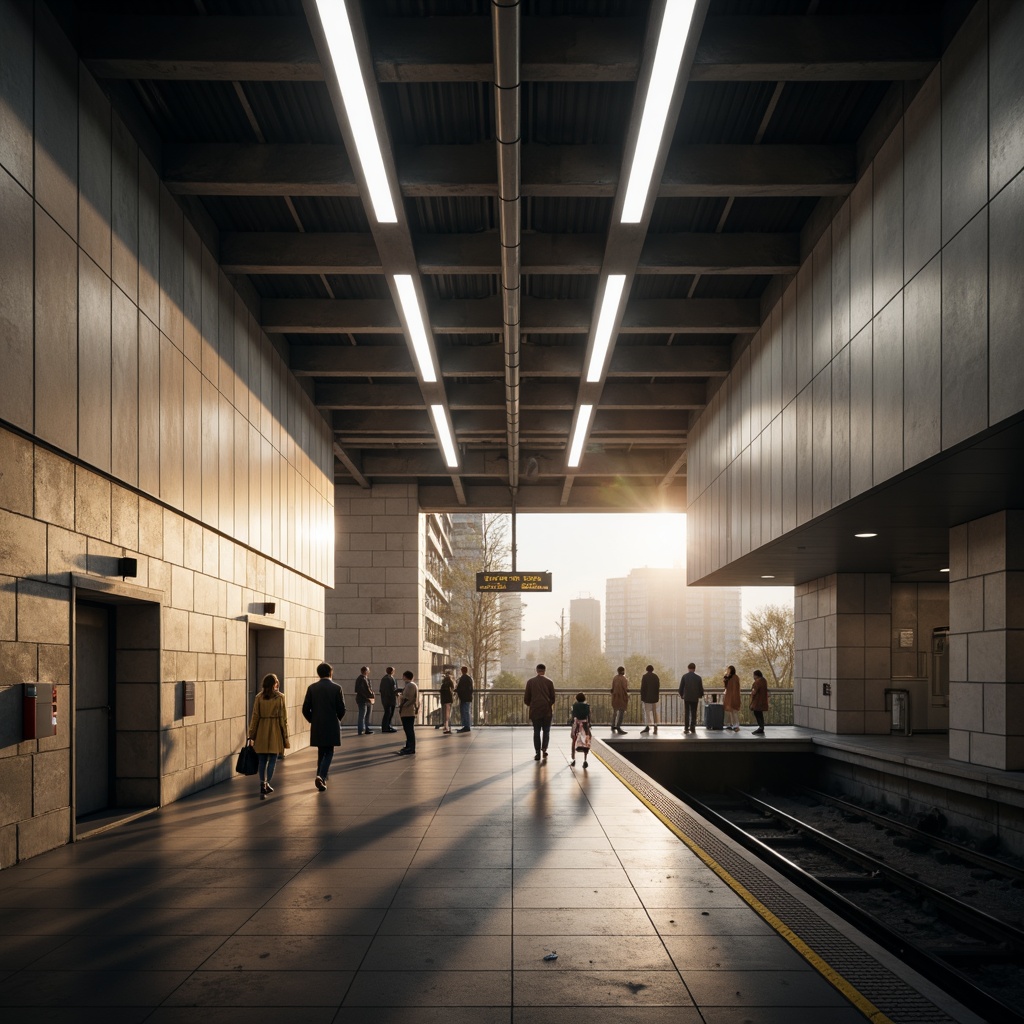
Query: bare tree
{"points": [[477, 631], [767, 643]]}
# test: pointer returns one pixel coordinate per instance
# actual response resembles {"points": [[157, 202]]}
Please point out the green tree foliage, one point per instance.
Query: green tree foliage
{"points": [[506, 680], [636, 666], [588, 665], [767, 644], [477, 631]]}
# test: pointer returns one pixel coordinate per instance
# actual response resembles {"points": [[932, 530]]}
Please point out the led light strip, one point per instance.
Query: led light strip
{"points": [[603, 335], [445, 436], [417, 329], [342, 46], [675, 28], [582, 422]]}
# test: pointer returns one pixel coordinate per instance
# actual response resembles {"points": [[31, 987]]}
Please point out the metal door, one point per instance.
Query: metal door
{"points": [[93, 708]]}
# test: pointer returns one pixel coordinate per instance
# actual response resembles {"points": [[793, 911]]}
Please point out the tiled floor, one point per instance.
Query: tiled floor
{"points": [[424, 889]]}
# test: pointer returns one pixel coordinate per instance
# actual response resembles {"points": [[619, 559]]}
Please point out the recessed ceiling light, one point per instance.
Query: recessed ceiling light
{"points": [[943, 570], [767, 577], [865, 535]]}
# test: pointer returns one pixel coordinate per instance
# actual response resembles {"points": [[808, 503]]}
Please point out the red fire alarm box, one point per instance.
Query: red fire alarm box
{"points": [[39, 716]]}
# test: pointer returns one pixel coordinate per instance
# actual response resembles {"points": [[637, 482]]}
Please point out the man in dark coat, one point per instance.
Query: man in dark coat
{"points": [[324, 708], [388, 691], [691, 689], [650, 695], [540, 698], [464, 691], [364, 701]]}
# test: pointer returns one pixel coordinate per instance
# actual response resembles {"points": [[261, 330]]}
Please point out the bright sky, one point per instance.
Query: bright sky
{"points": [[582, 551]]}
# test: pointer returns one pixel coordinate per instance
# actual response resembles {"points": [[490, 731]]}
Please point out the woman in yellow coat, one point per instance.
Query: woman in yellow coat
{"points": [[268, 730]]}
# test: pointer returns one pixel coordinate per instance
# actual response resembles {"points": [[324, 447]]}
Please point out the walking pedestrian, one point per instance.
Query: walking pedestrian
{"points": [[464, 690], [650, 697], [691, 689], [731, 699], [759, 700], [540, 698], [324, 708], [268, 730], [447, 699], [580, 733], [388, 691], [364, 701], [620, 699], [408, 709]]}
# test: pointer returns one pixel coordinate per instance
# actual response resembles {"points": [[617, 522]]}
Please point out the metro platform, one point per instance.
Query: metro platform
{"points": [[431, 888]]}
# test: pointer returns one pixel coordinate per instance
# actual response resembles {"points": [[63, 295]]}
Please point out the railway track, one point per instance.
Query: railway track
{"points": [[975, 956]]}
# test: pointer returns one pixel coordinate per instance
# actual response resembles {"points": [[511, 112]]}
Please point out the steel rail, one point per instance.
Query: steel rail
{"points": [[982, 860], [958, 912], [939, 971]]}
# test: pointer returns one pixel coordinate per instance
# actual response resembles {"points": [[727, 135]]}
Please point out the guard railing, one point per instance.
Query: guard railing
{"points": [[506, 707]]}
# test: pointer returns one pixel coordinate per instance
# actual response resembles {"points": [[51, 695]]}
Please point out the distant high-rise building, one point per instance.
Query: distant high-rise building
{"points": [[652, 612], [586, 612], [511, 606]]}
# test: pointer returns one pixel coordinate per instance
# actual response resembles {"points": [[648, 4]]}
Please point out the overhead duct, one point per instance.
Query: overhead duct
{"points": [[506, 22]]}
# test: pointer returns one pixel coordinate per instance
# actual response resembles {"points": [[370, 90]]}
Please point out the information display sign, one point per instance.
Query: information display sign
{"points": [[514, 582]]}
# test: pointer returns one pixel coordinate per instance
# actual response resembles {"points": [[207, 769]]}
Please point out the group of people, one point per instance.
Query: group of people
{"points": [[449, 690], [324, 708], [691, 689]]}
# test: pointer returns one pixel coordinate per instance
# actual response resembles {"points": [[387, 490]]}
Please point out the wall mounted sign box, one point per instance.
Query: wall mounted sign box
{"points": [[514, 582]]}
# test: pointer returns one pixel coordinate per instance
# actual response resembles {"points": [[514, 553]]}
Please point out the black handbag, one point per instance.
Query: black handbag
{"points": [[248, 762]]}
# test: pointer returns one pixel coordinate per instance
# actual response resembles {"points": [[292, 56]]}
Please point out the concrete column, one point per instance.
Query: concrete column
{"points": [[842, 657], [986, 641], [373, 615]]}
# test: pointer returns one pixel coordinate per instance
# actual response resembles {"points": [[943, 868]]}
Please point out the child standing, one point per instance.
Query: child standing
{"points": [[580, 729]]}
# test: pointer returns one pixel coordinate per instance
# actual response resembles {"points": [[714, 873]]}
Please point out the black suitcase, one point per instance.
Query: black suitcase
{"points": [[714, 716]]}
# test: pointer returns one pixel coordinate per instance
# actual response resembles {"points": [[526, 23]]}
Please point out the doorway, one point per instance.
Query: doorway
{"points": [[94, 708], [116, 733], [266, 654]]}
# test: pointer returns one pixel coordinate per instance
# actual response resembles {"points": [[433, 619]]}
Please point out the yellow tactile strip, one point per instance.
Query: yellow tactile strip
{"points": [[881, 996]]}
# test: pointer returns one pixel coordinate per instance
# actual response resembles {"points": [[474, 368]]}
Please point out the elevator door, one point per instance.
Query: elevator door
{"points": [[93, 709]]}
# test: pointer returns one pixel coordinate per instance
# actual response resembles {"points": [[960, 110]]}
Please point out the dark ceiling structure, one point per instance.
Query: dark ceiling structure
{"points": [[506, 131]]}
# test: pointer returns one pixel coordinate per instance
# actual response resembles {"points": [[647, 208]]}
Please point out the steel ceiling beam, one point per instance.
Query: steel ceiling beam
{"points": [[242, 169], [475, 361], [489, 394], [682, 253], [613, 495], [479, 464], [731, 48], [540, 316]]}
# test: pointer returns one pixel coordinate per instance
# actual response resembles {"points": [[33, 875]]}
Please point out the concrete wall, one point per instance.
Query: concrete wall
{"points": [[143, 413], [900, 336]]}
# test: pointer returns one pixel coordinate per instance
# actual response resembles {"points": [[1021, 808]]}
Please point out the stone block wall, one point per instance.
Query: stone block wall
{"points": [[986, 642], [143, 414], [842, 633], [374, 615]]}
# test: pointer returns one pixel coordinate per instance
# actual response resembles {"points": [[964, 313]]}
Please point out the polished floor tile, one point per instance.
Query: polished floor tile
{"points": [[411, 892]]}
